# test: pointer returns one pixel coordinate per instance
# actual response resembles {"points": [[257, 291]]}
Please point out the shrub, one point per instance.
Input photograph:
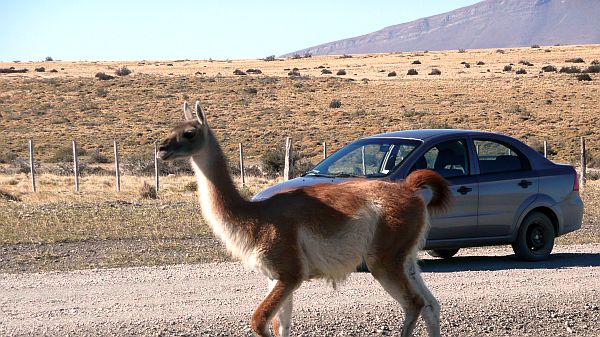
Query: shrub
{"points": [[192, 186], [462, 51], [251, 91], [122, 71], [101, 92], [49, 59], [7, 156], [435, 71], [296, 56], [416, 62], [570, 70], [104, 77], [269, 58], [535, 46], [549, 68], [346, 56], [523, 113], [65, 154], [592, 69], [526, 63], [97, 157], [584, 77], [341, 72], [575, 60], [294, 73], [539, 147], [8, 196], [254, 71], [335, 104], [238, 72], [412, 72], [480, 63], [325, 71], [500, 51], [507, 67], [40, 69], [138, 165], [467, 65], [148, 191], [391, 74], [595, 63], [521, 71], [272, 162], [12, 70], [53, 71]]}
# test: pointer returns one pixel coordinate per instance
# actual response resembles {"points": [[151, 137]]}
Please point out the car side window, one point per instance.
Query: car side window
{"points": [[494, 157], [449, 159]]}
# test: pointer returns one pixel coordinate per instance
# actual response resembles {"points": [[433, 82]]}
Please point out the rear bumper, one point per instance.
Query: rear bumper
{"points": [[571, 209]]}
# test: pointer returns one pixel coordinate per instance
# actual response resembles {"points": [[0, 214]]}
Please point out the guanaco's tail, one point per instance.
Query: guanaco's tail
{"points": [[441, 193]]}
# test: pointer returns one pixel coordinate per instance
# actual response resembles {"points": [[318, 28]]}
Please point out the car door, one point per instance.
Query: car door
{"points": [[451, 160], [506, 185]]}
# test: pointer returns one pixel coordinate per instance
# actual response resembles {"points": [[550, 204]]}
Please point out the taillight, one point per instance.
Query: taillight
{"points": [[576, 182]]}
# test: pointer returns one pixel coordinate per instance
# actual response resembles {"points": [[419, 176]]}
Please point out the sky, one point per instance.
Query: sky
{"points": [[31, 30]]}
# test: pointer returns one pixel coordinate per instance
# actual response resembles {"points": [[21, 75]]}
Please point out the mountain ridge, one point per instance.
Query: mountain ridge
{"points": [[487, 24]]}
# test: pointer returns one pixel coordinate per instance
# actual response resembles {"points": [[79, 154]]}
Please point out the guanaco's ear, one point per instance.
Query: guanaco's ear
{"points": [[200, 114], [186, 112]]}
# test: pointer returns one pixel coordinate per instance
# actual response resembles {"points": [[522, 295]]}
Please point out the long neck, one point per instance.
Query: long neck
{"points": [[221, 202]]}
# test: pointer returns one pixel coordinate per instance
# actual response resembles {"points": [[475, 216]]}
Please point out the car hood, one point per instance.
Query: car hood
{"points": [[292, 184]]}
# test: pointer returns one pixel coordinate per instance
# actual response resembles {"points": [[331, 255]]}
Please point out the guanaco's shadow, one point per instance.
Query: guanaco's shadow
{"points": [[491, 263]]}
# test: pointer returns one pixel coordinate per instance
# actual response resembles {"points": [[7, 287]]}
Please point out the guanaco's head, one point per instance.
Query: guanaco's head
{"points": [[186, 139]]}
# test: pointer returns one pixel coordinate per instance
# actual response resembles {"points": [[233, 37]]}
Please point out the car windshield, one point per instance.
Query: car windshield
{"points": [[371, 157]]}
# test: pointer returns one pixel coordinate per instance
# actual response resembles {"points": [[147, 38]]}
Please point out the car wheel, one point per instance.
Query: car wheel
{"points": [[443, 253], [535, 239]]}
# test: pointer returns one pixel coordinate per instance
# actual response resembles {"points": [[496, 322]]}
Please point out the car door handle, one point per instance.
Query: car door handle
{"points": [[525, 183], [464, 190]]}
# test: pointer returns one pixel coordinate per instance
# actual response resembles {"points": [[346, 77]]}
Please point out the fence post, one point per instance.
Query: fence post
{"points": [[545, 149], [32, 165], [288, 169], [324, 150], [156, 167], [117, 172], [242, 173], [75, 166], [583, 177]]}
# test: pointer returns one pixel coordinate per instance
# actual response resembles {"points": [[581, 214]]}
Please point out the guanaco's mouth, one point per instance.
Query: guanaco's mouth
{"points": [[164, 155]]}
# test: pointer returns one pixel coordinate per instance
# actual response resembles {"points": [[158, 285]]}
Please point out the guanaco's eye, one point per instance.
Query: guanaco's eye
{"points": [[189, 134]]}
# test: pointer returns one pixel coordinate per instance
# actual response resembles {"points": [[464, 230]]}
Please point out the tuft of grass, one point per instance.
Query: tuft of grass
{"points": [[148, 191]]}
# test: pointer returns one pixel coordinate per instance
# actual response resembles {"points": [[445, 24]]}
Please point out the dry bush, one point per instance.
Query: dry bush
{"points": [[341, 72], [148, 191], [238, 72], [521, 71], [480, 63], [392, 74], [575, 60], [570, 70], [335, 104], [40, 69], [254, 71], [526, 63], [593, 69], [435, 71], [103, 76], [412, 72], [269, 58], [549, 68], [416, 62], [122, 71], [6, 196], [325, 71], [507, 67], [584, 77]]}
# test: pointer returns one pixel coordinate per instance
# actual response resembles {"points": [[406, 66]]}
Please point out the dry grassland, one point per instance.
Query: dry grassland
{"points": [[57, 228], [261, 110]]}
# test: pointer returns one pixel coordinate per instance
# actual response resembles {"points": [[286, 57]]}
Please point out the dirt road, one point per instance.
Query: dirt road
{"points": [[483, 292]]}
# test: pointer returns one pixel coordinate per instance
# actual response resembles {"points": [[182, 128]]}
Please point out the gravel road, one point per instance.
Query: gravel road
{"points": [[483, 292]]}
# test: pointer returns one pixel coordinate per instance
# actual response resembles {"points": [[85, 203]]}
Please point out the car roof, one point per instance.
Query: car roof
{"points": [[424, 134]]}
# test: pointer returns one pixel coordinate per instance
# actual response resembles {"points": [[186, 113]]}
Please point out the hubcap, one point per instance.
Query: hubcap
{"points": [[536, 238]]}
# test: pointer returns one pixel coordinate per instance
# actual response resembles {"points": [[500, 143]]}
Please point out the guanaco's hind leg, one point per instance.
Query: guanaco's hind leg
{"points": [[281, 291], [403, 282], [282, 322]]}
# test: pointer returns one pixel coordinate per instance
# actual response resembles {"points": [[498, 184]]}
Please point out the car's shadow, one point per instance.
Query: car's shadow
{"points": [[490, 263]]}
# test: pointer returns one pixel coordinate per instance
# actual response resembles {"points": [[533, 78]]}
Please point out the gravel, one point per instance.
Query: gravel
{"points": [[483, 292]]}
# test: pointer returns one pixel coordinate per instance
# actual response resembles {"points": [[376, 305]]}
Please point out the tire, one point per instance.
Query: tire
{"points": [[535, 238], [443, 253]]}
